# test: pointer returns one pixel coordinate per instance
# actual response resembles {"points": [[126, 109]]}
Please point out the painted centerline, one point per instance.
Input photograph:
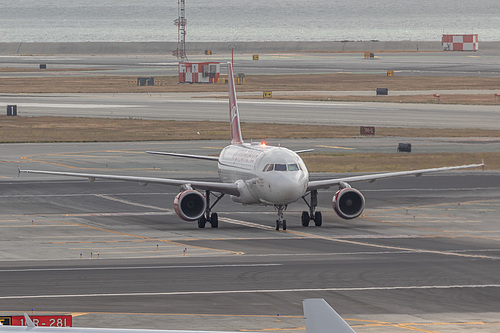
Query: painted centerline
{"points": [[272, 291]]}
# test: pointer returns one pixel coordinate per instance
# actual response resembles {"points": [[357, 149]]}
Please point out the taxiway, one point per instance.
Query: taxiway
{"points": [[425, 252]]}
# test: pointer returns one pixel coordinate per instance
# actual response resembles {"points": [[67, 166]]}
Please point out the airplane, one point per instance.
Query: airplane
{"points": [[258, 174], [320, 317]]}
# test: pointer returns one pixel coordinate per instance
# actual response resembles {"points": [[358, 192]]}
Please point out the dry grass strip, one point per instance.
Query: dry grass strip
{"points": [[379, 162], [479, 99], [96, 83], [71, 129], [66, 129]]}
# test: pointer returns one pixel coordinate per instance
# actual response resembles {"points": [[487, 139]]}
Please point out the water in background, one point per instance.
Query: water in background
{"points": [[250, 20]]}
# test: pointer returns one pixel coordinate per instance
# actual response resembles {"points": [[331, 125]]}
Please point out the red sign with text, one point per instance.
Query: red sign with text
{"points": [[367, 130], [44, 321]]}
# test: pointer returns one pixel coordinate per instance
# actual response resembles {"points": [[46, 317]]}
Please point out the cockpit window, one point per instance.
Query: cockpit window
{"points": [[268, 167], [280, 167]]}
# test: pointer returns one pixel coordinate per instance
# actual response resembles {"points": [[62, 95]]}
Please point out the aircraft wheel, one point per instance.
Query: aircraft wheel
{"points": [[284, 224], [201, 222], [318, 219], [214, 220], [305, 219], [277, 225]]}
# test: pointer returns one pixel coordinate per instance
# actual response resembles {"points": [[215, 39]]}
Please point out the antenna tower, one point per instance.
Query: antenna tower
{"points": [[181, 23]]}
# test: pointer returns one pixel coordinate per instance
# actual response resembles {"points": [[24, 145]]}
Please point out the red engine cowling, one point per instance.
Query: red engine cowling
{"points": [[348, 203], [190, 205]]}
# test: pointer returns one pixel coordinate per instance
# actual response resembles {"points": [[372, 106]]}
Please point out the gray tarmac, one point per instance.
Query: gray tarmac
{"points": [[424, 255], [208, 106], [484, 63], [188, 107]]}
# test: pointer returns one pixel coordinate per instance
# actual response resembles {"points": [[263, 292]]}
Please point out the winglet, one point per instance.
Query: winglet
{"points": [[322, 318], [28, 321], [234, 116]]}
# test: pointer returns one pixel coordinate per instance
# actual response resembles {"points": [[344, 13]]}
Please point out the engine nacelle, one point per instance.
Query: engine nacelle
{"points": [[190, 205], [348, 203]]}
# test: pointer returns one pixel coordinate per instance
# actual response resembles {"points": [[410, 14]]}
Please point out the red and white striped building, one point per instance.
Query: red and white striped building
{"points": [[199, 72], [460, 42]]}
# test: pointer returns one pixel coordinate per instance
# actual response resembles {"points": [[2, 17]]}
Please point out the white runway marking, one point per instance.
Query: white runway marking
{"points": [[85, 194], [447, 189], [131, 268], [128, 202], [77, 106], [245, 223], [221, 292], [159, 64], [275, 102]]}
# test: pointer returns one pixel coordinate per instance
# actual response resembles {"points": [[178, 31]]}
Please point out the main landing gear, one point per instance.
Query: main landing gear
{"points": [[312, 215], [208, 216], [280, 222]]}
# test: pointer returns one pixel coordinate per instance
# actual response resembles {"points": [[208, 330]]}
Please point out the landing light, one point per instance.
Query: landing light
{"points": [[263, 144]]}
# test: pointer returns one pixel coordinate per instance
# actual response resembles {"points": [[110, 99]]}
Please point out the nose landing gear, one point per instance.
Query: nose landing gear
{"points": [[280, 222]]}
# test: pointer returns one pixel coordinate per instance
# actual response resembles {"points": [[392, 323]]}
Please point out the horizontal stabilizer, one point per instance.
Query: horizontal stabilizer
{"points": [[303, 151], [322, 318]]}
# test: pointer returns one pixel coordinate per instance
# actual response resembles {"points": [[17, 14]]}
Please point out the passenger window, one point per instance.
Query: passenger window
{"points": [[293, 167], [280, 167]]}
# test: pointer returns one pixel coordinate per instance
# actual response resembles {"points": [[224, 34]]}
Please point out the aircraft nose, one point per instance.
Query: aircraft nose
{"points": [[290, 188]]}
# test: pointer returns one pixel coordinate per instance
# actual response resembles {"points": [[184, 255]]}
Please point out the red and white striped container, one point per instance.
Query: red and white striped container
{"points": [[199, 72], [460, 42]]}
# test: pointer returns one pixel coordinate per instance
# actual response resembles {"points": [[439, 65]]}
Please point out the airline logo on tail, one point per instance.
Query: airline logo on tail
{"points": [[234, 117]]}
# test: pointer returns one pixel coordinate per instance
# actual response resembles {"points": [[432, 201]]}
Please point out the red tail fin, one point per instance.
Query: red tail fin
{"points": [[234, 116]]}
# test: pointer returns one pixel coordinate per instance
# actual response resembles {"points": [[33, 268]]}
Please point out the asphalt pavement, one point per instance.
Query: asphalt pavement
{"points": [[424, 255]]}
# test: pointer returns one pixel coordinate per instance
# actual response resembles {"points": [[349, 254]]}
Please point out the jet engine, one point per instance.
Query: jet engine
{"points": [[348, 203], [190, 205]]}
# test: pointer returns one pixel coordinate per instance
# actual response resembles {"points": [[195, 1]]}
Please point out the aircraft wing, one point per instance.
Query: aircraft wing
{"points": [[324, 184], [227, 188], [200, 157]]}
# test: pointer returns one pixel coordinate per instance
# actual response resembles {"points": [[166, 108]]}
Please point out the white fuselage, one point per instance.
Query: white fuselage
{"points": [[265, 174]]}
